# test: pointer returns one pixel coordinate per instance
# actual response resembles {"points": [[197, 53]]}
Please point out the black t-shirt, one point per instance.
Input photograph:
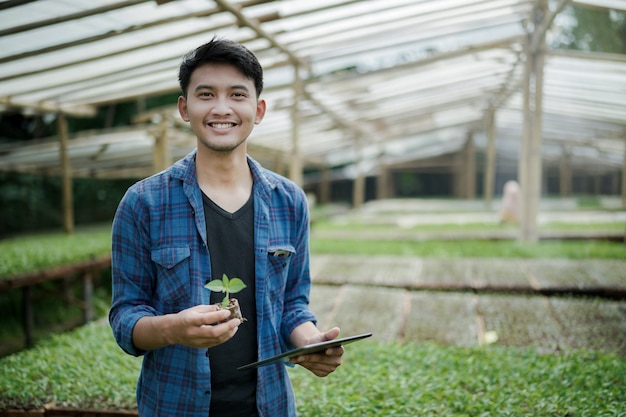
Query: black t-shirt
{"points": [[230, 237]]}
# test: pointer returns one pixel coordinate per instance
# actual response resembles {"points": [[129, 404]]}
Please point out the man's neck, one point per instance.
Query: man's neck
{"points": [[225, 179]]}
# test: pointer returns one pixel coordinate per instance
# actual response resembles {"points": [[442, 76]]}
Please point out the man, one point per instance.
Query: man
{"points": [[215, 212]]}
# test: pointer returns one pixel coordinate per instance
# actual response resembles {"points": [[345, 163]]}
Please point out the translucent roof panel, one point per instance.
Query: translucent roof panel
{"points": [[403, 78]]}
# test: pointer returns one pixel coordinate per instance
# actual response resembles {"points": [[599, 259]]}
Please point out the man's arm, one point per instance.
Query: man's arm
{"points": [[196, 327]]}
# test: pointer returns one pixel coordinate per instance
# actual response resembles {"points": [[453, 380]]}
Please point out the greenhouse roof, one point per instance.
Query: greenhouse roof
{"points": [[405, 79]]}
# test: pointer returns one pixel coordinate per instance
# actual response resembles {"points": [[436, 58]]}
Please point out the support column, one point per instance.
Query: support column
{"points": [[565, 174], [530, 156], [66, 175], [295, 166], [624, 178], [325, 185], [383, 183], [469, 182], [28, 315], [88, 311], [490, 168], [358, 190], [160, 151]]}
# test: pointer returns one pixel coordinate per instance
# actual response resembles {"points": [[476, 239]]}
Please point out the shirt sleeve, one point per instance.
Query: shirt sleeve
{"points": [[132, 274], [298, 288]]}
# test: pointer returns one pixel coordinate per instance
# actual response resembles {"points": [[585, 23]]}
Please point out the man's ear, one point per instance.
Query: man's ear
{"points": [[261, 106], [182, 108]]}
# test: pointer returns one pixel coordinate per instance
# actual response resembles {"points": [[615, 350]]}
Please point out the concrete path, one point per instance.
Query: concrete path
{"points": [[470, 302]]}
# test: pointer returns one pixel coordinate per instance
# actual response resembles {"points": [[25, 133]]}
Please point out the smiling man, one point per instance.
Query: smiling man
{"points": [[215, 212]]}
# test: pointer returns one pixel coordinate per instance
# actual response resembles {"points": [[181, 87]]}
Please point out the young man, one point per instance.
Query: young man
{"points": [[215, 212]]}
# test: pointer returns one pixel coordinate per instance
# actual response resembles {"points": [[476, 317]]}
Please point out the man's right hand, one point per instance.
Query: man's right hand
{"points": [[197, 327]]}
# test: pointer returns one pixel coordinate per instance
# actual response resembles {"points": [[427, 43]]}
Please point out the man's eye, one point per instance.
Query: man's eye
{"points": [[205, 94]]}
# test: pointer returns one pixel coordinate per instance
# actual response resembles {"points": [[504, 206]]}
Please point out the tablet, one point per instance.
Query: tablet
{"points": [[305, 350]]}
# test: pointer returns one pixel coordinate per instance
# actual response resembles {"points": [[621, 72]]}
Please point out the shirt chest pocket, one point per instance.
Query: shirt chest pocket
{"points": [[279, 259], [172, 274]]}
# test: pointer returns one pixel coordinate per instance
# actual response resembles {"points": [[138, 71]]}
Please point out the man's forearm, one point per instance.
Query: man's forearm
{"points": [[303, 333], [152, 332]]}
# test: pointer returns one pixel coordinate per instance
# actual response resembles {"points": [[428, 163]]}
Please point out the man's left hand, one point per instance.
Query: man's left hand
{"points": [[322, 363]]}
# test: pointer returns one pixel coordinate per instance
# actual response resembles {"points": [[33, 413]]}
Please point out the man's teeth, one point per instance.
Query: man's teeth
{"points": [[222, 125]]}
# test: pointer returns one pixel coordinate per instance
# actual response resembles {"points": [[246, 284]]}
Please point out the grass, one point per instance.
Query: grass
{"points": [[86, 369]]}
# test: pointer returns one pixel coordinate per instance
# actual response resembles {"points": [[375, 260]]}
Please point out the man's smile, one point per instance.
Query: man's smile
{"points": [[221, 125]]}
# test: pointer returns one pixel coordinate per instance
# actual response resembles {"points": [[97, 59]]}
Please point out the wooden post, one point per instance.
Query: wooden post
{"points": [[624, 179], [530, 162], [325, 185], [295, 167], [470, 167], [28, 315], [66, 175], [160, 152], [565, 174], [383, 186], [88, 313], [490, 168], [358, 191]]}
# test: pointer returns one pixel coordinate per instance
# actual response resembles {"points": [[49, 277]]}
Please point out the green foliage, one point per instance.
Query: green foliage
{"points": [[225, 285], [395, 379], [32, 203], [471, 248], [86, 369], [594, 30], [36, 252]]}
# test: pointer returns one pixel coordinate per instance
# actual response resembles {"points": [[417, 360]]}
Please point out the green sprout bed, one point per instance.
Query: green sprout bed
{"points": [[588, 249], [22, 255], [86, 369]]}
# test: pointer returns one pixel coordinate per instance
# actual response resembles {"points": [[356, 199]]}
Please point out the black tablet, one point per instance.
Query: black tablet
{"points": [[305, 350]]}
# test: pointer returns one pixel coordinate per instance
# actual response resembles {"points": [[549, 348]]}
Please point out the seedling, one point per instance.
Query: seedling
{"points": [[228, 286]]}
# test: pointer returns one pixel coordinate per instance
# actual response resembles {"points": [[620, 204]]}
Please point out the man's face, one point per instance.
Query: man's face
{"points": [[221, 107]]}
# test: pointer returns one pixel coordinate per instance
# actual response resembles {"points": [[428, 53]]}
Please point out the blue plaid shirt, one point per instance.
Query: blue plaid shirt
{"points": [[160, 263]]}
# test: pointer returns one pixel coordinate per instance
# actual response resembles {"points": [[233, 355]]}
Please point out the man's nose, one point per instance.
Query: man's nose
{"points": [[221, 105]]}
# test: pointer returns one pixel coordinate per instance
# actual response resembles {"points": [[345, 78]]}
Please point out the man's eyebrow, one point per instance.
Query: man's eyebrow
{"points": [[239, 87], [232, 87]]}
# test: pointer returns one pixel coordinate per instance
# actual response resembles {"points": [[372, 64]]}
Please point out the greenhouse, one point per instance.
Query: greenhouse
{"points": [[355, 89], [405, 122]]}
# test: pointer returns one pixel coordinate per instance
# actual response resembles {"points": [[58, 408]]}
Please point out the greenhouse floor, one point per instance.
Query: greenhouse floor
{"points": [[552, 305]]}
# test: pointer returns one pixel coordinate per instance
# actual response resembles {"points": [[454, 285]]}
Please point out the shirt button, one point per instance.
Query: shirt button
{"points": [[207, 392]]}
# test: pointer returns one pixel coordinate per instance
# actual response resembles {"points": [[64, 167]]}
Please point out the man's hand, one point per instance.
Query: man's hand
{"points": [[195, 327], [322, 363]]}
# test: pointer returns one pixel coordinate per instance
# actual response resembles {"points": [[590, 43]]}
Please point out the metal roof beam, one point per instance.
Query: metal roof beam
{"points": [[111, 34], [14, 3], [55, 20], [256, 27], [49, 107], [539, 33], [591, 56]]}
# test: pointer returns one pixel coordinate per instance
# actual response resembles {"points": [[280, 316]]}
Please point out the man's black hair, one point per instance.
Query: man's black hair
{"points": [[221, 51]]}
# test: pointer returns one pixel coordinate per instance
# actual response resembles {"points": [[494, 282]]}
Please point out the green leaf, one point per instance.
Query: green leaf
{"points": [[215, 285], [236, 285], [225, 281]]}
